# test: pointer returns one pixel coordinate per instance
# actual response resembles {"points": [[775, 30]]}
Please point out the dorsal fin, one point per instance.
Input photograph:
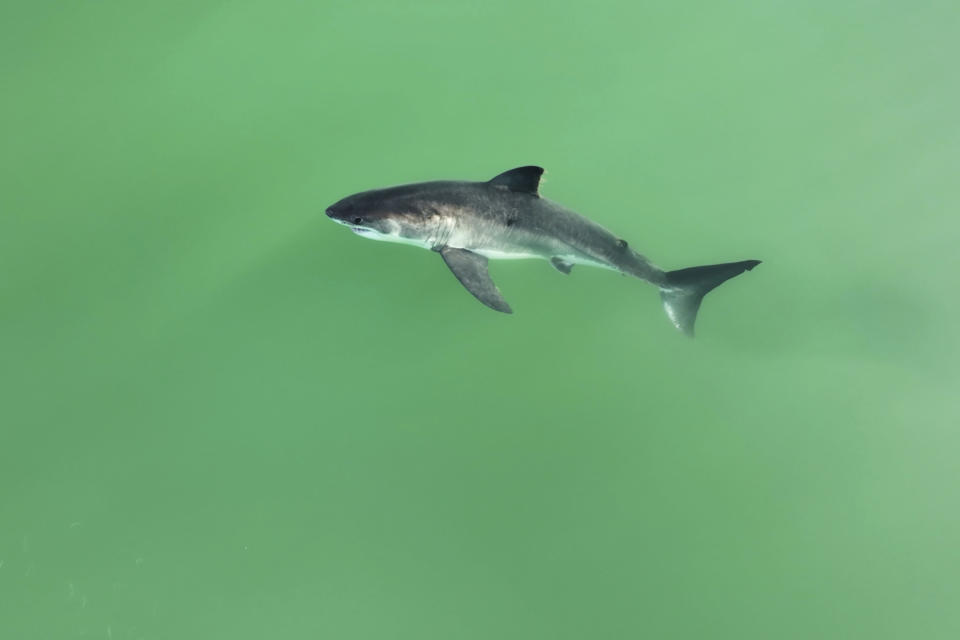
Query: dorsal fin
{"points": [[521, 179]]}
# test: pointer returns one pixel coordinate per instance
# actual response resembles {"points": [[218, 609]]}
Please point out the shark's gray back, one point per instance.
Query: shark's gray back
{"points": [[487, 217]]}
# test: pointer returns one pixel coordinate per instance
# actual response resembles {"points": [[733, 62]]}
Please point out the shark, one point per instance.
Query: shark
{"points": [[471, 223]]}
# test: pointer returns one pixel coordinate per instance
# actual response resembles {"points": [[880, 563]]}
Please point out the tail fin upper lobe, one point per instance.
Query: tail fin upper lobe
{"points": [[685, 289]]}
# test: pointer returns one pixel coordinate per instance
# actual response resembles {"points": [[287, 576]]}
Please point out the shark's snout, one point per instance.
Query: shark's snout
{"points": [[336, 211], [346, 213], [342, 212]]}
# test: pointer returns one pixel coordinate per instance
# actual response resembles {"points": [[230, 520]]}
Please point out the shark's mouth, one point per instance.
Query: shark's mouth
{"points": [[359, 230]]}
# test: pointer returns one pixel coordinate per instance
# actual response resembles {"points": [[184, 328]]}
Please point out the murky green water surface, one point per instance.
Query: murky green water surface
{"points": [[225, 417]]}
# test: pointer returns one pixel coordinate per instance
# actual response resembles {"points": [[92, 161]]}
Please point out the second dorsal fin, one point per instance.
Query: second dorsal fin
{"points": [[521, 179]]}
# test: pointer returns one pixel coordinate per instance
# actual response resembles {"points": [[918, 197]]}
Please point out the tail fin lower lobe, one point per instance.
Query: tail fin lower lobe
{"points": [[685, 288]]}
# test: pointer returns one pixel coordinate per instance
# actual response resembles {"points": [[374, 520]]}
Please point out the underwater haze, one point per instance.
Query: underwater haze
{"points": [[224, 416]]}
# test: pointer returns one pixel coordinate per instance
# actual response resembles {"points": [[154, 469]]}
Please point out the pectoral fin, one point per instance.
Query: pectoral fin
{"points": [[471, 270]]}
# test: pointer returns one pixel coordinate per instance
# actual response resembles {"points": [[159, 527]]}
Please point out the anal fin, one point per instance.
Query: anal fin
{"points": [[562, 265]]}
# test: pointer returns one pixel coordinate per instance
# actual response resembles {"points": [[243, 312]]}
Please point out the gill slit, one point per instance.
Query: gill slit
{"points": [[441, 232]]}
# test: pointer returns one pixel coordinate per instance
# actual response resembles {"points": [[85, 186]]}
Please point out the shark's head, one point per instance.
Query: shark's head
{"points": [[397, 214]]}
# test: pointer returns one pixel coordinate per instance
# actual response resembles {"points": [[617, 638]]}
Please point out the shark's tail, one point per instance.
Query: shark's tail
{"points": [[685, 288]]}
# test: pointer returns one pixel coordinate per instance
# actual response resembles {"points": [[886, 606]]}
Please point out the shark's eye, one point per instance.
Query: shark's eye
{"points": [[358, 221]]}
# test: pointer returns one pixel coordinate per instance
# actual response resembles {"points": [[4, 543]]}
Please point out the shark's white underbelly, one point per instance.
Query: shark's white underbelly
{"points": [[506, 251], [506, 254], [519, 246], [519, 254]]}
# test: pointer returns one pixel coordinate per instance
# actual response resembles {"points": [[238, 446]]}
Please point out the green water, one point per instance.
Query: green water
{"points": [[224, 416]]}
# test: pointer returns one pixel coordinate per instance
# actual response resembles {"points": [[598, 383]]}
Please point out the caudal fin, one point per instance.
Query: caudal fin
{"points": [[685, 289]]}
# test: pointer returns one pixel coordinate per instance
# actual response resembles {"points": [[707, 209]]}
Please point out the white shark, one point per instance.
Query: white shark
{"points": [[468, 223]]}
